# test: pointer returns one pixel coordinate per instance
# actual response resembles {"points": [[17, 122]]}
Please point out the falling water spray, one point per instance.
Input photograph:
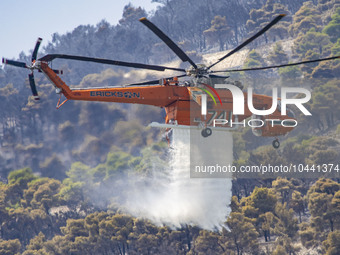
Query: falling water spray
{"points": [[175, 199]]}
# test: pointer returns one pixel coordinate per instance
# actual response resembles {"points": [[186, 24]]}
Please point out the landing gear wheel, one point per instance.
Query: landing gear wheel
{"points": [[276, 143], [206, 132]]}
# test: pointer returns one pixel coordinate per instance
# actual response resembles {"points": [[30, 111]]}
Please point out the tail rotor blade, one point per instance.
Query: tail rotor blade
{"points": [[36, 48], [33, 87], [14, 63], [31, 67]]}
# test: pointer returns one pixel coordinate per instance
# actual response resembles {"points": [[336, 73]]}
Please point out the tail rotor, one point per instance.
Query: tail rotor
{"points": [[34, 65]]}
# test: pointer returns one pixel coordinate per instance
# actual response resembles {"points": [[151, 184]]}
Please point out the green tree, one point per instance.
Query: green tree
{"points": [[42, 194], [325, 101], [219, 31], [260, 17], [74, 228], [254, 59], [311, 45], [290, 75], [242, 236], [307, 235], [115, 231], [144, 236], [72, 192], [267, 224], [320, 197], [17, 182], [234, 204], [307, 17], [297, 203], [336, 49], [207, 242], [333, 27], [327, 70], [278, 55], [287, 223], [279, 250], [36, 245], [10, 247], [9, 118], [21, 177], [263, 199], [283, 187], [335, 210], [79, 172], [332, 244], [285, 246], [131, 15]]}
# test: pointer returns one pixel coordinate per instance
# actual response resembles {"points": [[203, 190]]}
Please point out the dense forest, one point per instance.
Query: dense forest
{"points": [[58, 167]]}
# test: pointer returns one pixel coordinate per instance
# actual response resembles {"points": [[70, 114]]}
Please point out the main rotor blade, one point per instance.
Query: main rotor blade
{"points": [[14, 63], [262, 31], [50, 57], [277, 66], [36, 48], [154, 82], [173, 46], [33, 87]]}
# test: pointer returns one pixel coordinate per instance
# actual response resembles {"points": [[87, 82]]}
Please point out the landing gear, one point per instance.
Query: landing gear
{"points": [[276, 143], [206, 132]]}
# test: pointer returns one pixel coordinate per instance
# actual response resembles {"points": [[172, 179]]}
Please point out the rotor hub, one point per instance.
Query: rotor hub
{"points": [[200, 71]]}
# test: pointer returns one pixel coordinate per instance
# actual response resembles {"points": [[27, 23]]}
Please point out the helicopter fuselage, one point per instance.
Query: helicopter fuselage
{"points": [[181, 103]]}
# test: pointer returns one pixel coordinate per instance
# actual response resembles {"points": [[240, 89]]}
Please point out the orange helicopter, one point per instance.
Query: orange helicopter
{"points": [[185, 102]]}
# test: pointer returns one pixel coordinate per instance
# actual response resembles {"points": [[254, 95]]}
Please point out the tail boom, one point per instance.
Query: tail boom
{"points": [[161, 96]]}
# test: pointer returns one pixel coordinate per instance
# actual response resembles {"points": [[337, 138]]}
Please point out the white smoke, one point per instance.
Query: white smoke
{"points": [[175, 199]]}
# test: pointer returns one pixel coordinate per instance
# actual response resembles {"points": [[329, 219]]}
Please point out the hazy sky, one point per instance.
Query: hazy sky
{"points": [[23, 21]]}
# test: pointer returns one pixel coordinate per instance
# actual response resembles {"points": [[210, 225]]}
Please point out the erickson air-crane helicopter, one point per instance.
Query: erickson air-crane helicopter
{"points": [[185, 102]]}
